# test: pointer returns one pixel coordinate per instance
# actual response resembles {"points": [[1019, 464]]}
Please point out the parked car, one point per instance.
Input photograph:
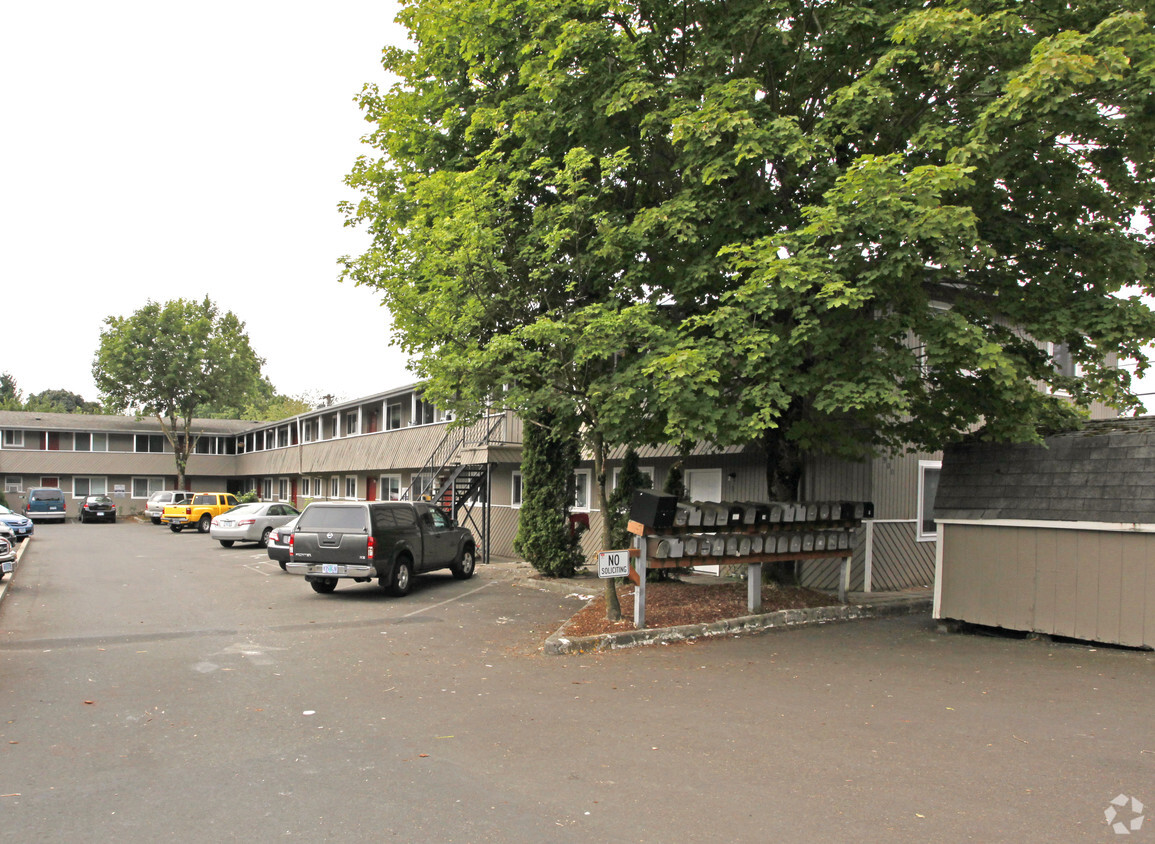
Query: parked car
{"points": [[98, 508], [7, 556], [200, 510], [154, 509], [278, 544], [46, 503], [389, 540], [251, 522], [21, 526]]}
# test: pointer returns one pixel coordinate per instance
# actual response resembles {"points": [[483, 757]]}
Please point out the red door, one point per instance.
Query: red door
{"points": [[371, 489], [293, 491]]}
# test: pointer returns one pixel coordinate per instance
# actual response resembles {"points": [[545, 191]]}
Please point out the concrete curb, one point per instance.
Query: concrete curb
{"points": [[559, 643], [20, 546]]}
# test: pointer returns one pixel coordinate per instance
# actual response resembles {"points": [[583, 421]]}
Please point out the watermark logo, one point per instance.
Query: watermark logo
{"points": [[1124, 815]]}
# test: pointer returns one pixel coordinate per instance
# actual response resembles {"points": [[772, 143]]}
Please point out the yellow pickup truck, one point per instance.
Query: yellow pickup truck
{"points": [[199, 511]]}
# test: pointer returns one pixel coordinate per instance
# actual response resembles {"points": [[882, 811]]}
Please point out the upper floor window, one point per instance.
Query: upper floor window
{"points": [[424, 413], [13, 439], [149, 443], [90, 442], [393, 416], [350, 424]]}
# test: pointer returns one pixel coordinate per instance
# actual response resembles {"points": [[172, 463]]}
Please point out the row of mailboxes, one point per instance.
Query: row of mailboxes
{"points": [[665, 511], [746, 544]]}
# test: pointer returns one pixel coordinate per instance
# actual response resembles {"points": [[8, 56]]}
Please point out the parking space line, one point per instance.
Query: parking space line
{"points": [[450, 600]]}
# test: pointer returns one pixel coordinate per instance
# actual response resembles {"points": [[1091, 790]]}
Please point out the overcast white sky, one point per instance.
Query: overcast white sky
{"points": [[156, 150], [162, 150]]}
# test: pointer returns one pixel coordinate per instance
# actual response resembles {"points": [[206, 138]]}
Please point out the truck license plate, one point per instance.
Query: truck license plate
{"points": [[7, 566], [328, 568]]}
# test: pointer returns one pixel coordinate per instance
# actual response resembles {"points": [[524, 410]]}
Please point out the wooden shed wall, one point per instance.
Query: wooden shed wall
{"points": [[1097, 585]]}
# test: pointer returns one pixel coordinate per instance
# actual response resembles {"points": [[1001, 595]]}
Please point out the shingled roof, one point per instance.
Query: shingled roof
{"points": [[1104, 472]]}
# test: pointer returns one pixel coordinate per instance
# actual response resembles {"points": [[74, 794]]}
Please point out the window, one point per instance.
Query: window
{"points": [[149, 443], [390, 487], [392, 416], [83, 486], [90, 442], [581, 492], [928, 472], [266, 488], [13, 483], [648, 471], [350, 423], [144, 487], [334, 487], [318, 488], [283, 489], [13, 439], [351, 487], [309, 430], [515, 496], [423, 411]]}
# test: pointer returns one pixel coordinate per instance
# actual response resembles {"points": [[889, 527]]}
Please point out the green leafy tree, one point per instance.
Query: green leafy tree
{"points": [[169, 359], [549, 456], [825, 228], [61, 401], [11, 397]]}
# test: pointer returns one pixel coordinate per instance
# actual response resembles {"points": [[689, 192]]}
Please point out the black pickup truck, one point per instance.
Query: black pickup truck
{"points": [[386, 540]]}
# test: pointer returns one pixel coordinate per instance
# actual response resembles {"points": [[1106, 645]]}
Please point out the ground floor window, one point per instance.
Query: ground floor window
{"points": [[83, 486], [648, 471], [283, 489], [515, 496], [350, 487], [334, 487], [13, 483], [581, 489], [144, 487], [318, 488], [928, 472], [266, 488], [390, 487]]}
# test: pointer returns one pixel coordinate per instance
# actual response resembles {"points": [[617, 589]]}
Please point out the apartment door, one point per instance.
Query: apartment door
{"points": [[705, 485]]}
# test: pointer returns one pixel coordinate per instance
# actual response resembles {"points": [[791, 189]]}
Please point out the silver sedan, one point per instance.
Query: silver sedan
{"points": [[251, 522]]}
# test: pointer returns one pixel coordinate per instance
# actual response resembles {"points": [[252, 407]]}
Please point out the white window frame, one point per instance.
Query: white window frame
{"points": [[13, 438], [334, 487], [516, 491], [389, 408], [577, 506], [318, 487], [88, 479], [353, 485], [14, 483], [151, 485], [923, 467], [384, 484], [266, 489], [648, 471], [284, 489]]}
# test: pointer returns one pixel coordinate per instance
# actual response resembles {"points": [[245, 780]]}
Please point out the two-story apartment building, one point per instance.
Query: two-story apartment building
{"points": [[394, 444]]}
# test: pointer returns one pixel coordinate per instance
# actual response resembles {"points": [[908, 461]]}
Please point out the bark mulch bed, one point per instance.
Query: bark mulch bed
{"points": [[670, 603]]}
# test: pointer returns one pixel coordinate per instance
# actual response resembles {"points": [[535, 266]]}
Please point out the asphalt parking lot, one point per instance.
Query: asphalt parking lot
{"points": [[156, 686]]}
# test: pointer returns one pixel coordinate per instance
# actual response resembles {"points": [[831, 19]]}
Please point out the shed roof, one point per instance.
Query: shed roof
{"points": [[1103, 472]]}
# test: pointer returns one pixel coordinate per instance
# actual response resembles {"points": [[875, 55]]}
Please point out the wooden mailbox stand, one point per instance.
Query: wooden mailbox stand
{"points": [[641, 562]]}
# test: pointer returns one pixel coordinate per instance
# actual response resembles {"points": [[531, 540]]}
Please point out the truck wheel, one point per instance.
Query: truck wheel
{"points": [[228, 543], [463, 569], [283, 566], [176, 528], [155, 519], [323, 585], [402, 578], [204, 523]]}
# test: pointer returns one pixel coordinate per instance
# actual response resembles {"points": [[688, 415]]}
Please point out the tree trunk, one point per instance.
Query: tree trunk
{"points": [[613, 606]]}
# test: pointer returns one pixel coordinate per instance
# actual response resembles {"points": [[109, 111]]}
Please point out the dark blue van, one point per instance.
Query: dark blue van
{"points": [[46, 502]]}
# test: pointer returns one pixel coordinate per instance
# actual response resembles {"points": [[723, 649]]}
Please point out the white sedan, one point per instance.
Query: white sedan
{"points": [[251, 522]]}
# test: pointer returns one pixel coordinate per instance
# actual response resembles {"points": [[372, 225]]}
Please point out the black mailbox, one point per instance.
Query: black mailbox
{"points": [[654, 510], [735, 513]]}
